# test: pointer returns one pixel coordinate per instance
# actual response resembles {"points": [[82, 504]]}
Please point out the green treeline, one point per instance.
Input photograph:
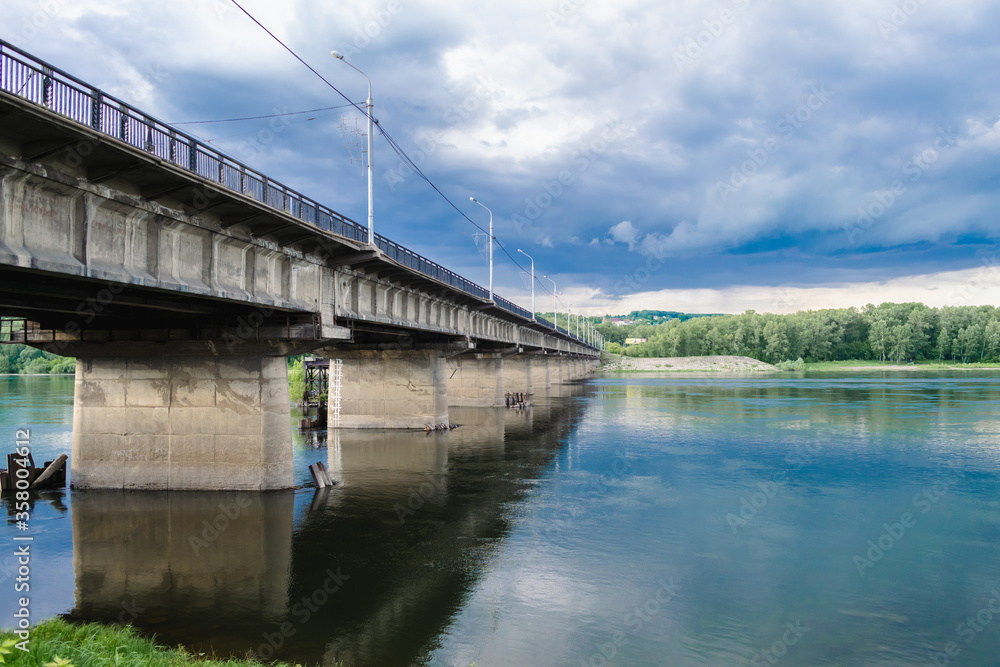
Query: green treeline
{"points": [[890, 332], [19, 358]]}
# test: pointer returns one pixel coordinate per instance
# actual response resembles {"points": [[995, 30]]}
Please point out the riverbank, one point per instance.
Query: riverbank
{"points": [[716, 364], [738, 364], [867, 365], [56, 642]]}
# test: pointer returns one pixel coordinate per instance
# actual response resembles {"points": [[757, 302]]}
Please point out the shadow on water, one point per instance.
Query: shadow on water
{"points": [[371, 571]]}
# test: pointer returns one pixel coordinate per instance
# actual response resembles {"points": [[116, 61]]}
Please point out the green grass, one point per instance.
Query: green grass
{"points": [[95, 645], [928, 365]]}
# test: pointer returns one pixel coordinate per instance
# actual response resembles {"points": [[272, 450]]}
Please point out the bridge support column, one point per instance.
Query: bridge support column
{"points": [[476, 381], [557, 370], [182, 423], [518, 374], [393, 389]]}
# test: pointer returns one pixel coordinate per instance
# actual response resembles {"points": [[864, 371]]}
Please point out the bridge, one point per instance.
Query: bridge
{"points": [[181, 279]]}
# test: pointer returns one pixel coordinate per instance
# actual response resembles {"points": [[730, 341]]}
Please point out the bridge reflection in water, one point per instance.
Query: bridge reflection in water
{"points": [[371, 571]]}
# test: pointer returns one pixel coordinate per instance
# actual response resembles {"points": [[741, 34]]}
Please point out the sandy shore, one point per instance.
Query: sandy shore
{"points": [[719, 364]]}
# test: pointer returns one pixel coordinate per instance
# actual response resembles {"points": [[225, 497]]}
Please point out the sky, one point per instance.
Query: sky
{"points": [[702, 156]]}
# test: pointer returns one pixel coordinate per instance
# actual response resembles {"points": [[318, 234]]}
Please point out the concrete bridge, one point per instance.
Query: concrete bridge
{"points": [[180, 279]]}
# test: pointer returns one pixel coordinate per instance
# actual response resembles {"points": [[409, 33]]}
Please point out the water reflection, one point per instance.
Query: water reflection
{"points": [[185, 565], [531, 537], [369, 572]]}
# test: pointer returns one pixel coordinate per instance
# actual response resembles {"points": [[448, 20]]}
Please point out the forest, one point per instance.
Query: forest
{"points": [[890, 332], [19, 358]]}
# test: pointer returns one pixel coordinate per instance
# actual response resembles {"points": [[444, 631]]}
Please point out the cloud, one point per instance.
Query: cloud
{"points": [[625, 232], [501, 102], [976, 286]]}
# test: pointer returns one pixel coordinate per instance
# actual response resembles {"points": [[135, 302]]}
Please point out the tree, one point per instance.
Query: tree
{"points": [[900, 341], [966, 342], [776, 341], [921, 322], [991, 339], [878, 338]]}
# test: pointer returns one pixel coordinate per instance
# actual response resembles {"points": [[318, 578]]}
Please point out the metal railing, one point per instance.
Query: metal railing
{"points": [[25, 76]]}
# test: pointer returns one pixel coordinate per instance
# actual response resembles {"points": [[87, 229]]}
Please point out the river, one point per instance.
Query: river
{"points": [[793, 519]]}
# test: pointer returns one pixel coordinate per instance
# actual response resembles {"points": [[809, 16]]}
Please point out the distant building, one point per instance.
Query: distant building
{"points": [[634, 341]]}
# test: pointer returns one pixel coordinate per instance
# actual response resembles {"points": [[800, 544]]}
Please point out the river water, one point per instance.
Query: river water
{"points": [[809, 519]]}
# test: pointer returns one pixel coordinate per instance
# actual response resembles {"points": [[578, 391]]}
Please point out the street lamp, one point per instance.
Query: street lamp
{"points": [[491, 242], [532, 282], [370, 105], [555, 313]]}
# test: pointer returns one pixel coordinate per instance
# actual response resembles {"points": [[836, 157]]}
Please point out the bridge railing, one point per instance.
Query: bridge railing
{"points": [[25, 76]]}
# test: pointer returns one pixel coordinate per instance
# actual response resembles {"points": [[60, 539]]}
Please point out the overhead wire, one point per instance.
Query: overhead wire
{"points": [[273, 115], [396, 148]]}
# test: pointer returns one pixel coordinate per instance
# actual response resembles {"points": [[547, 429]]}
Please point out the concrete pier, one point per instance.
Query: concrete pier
{"points": [[518, 374], [393, 389], [476, 380], [182, 423]]}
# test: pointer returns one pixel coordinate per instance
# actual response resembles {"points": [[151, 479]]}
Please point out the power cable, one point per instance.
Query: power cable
{"points": [[273, 115], [397, 149]]}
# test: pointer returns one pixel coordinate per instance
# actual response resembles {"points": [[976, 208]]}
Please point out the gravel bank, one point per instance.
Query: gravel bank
{"points": [[719, 364]]}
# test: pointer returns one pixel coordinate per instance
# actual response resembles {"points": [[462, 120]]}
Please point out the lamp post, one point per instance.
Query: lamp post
{"points": [[491, 242], [532, 282], [370, 105], [555, 313]]}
